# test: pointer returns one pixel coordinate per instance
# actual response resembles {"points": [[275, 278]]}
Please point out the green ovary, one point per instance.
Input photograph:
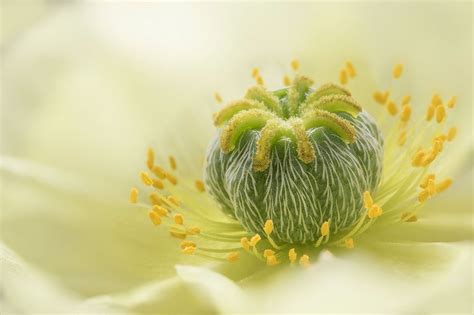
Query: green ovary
{"points": [[298, 196]]}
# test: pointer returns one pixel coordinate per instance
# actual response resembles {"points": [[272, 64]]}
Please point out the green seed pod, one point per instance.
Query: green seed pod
{"points": [[296, 156]]}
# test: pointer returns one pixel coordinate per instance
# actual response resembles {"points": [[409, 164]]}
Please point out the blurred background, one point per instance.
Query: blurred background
{"points": [[88, 86]]}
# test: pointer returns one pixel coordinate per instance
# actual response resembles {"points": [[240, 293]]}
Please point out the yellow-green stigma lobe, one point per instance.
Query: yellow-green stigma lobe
{"points": [[297, 156]]}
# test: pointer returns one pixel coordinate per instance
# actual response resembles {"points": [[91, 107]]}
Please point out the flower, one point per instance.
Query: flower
{"points": [[77, 125]]}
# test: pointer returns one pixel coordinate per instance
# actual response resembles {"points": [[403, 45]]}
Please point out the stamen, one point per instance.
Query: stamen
{"points": [[440, 113], [259, 80], [381, 97], [368, 201], [271, 260], [418, 158], [452, 133], [133, 195], [397, 71], [245, 243], [409, 217], [193, 230], [268, 252], [423, 196], [406, 99], [189, 250], [349, 243], [442, 186], [430, 188], [172, 161], [436, 100], [430, 112], [255, 239], [255, 72], [173, 200], [402, 138], [426, 179], [428, 158], [286, 80], [343, 77], [159, 172], [350, 69], [154, 217], [171, 178], [268, 228], [374, 212], [185, 244], [406, 113], [162, 212], [392, 108], [304, 261], [178, 235], [200, 185], [150, 158], [452, 102], [295, 64], [155, 199], [218, 97], [232, 256], [158, 184], [178, 219], [325, 228], [146, 179], [292, 255]]}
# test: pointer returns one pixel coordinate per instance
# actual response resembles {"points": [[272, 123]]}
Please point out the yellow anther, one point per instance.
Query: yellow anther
{"points": [[292, 255], [452, 102], [325, 228], [255, 239], [304, 261], [452, 132], [286, 80], [268, 252], [349, 243], [429, 158], [200, 185], [159, 172], [295, 64], [133, 195], [178, 235], [154, 217], [245, 243], [440, 113], [259, 80], [423, 196], [218, 97], [443, 185], [155, 199], [189, 250], [268, 228], [255, 73], [173, 200], [146, 179], [343, 77], [418, 158], [368, 201], [406, 99], [171, 178], [426, 179], [437, 146], [232, 256], [350, 69], [150, 158], [430, 112], [178, 219], [172, 162], [402, 138], [409, 217], [271, 260], [430, 188], [158, 184], [392, 108], [193, 230], [406, 113], [381, 97], [162, 212], [397, 71], [374, 212], [436, 100], [185, 244]]}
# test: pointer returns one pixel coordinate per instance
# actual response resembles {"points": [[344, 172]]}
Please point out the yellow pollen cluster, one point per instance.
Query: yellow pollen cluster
{"points": [[346, 73], [373, 210], [430, 188], [437, 110]]}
